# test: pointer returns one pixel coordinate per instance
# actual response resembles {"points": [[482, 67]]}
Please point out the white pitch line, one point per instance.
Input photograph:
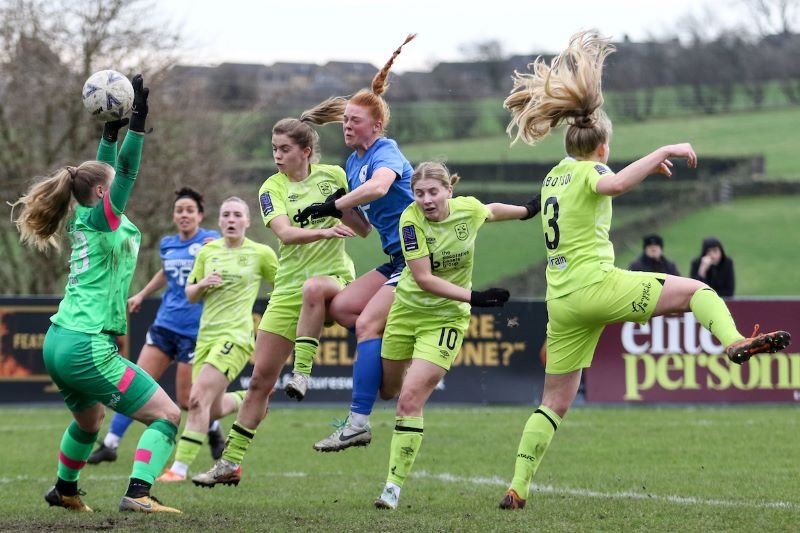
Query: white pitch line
{"points": [[498, 482], [586, 493]]}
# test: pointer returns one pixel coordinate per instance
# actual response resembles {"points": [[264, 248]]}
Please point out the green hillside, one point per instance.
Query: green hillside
{"points": [[772, 133], [759, 234], [756, 234]]}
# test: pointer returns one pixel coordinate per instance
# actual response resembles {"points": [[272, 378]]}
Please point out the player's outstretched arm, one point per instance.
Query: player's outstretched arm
{"points": [[656, 162]]}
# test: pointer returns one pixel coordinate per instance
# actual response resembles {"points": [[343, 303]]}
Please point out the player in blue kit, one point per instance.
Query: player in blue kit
{"points": [[172, 336], [379, 177]]}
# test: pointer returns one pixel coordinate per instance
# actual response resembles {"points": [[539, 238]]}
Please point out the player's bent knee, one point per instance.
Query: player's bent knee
{"points": [[260, 387], [313, 291], [387, 394], [408, 404], [173, 414]]}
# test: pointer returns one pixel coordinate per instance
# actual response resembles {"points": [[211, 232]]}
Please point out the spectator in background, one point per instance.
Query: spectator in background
{"points": [[714, 268], [652, 258]]}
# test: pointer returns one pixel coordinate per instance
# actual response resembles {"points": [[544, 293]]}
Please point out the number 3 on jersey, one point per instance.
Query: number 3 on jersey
{"points": [[552, 221]]}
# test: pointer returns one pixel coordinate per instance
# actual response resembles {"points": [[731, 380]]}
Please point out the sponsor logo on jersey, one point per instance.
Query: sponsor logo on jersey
{"points": [[462, 231], [266, 204], [410, 239], [292, 198], [559, 261], [602, 169]]}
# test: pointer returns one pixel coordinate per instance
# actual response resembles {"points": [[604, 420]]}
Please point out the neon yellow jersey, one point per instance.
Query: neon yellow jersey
{"points": [[450, 245], [228, 308], [298, 262], [576, 220]]}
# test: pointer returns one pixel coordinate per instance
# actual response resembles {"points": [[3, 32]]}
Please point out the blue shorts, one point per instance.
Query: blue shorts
{"points": [[178, 347], [392, 269]]}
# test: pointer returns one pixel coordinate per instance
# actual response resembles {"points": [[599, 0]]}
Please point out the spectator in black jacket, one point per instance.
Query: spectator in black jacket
{"points": [[714, 268], [652, 258]]}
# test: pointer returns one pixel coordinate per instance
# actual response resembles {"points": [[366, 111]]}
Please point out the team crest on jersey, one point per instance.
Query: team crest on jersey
{"points": [[194, 248], [362, 174], [601, 169], [410, 239], [462, 231], [243, 260], [266, 203], [325, 188]]}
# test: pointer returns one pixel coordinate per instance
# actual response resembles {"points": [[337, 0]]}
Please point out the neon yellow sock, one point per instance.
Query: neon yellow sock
{"points": [[305, 348], [536, 437], [238, 397], [406, 441], [239, 439], [714, 315], [189, 446]]}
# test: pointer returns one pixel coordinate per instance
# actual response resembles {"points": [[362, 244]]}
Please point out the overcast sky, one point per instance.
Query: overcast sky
{"points": [[317, 31]]}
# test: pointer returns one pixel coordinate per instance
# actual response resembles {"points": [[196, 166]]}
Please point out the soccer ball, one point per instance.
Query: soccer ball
{"points": [[108, 95]]}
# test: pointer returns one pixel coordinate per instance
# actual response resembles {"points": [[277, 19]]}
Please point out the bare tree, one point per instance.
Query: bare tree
{"points": [[773, 16], [47, 50]]}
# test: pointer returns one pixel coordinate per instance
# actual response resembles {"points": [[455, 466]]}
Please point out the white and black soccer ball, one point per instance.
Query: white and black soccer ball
{"points": [[108, 95]]}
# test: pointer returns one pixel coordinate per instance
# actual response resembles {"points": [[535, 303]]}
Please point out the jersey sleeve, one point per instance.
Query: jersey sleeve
{"points": [[272, 200], [412, 235], [593, 176], [162, 247], [269, 264], [341, 178], [199, 267], [479, 210], [105, 216], [107, 152], [211, 234], [388, 155]]}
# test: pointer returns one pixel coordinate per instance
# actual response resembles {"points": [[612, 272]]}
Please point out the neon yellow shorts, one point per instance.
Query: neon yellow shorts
{"points": [[410, 334], [283, 311], [576, 320], [226, 356]]}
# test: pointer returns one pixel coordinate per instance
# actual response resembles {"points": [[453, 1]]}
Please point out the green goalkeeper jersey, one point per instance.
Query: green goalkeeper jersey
{"points": [[228, 308], [104, 247], [298, 262], [576, 220], [450, 247]]}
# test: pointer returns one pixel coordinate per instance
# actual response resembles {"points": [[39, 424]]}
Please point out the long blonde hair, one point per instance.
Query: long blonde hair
{"points": [[568, 91], [47, 202], [332, 109]]}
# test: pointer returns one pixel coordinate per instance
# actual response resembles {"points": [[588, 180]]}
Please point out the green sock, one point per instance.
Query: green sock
{"points": [[239, 439], [536, 437], [714, 315], [305, 348], [406, 440], [154, 448], [189, 446], [238, 397], [76, 447]]}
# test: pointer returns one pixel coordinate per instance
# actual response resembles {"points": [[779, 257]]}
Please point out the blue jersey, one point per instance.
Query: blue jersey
{"points": [[177, 256], [384, 213]]}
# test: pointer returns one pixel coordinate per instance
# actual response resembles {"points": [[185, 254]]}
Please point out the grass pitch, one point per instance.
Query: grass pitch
{"points": [[609, 469]]}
